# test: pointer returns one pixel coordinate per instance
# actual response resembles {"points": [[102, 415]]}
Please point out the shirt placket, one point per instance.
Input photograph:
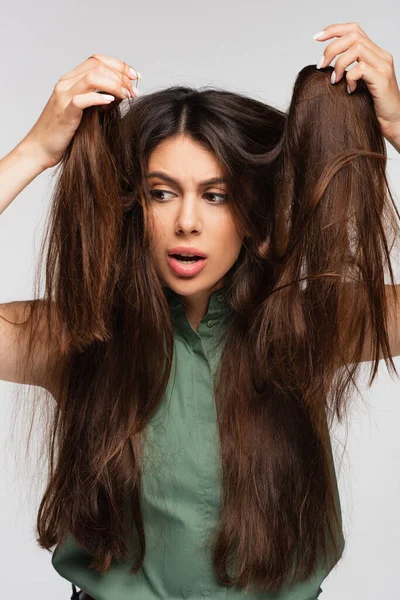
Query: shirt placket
{"points": [[205, 351]]}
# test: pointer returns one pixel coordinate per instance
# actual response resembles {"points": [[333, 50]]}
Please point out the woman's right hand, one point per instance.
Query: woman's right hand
{"points": [[74, 92]]}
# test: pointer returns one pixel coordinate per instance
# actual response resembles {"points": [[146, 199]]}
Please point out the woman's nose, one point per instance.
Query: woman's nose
{"points": [[188, 215]]}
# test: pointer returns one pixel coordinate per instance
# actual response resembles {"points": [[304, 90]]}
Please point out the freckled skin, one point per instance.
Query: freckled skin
{"points": [[192, 216]]}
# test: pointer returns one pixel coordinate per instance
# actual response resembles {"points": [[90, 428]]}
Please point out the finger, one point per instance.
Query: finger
{"points": [[337, 30], [118, 65], [82, 101], [351, 30], [370, 75], [352, 41], [93, 80], [359, 52], [113, 63], [84, 66], [104, 71]]}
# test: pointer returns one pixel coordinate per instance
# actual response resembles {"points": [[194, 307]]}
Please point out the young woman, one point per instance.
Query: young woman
{"points": [[214, 278]]}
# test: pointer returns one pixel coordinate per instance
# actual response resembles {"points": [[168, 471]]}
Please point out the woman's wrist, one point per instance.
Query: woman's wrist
{"points": [[396, 144], [17, 169], [29, 151], [394, 137]]}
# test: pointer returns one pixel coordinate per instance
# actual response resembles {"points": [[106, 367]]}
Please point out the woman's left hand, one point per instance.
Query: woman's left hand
{"points": [[375, 65]]}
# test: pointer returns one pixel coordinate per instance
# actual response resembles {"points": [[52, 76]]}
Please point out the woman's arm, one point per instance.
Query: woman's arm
{"points": [[17, 169], [395, 140]]}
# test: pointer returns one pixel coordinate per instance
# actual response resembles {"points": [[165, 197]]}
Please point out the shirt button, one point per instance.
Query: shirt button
{"points": [[210, 323]]}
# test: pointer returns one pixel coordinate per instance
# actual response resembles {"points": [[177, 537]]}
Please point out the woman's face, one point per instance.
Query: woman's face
{"points": [[188, 212]]}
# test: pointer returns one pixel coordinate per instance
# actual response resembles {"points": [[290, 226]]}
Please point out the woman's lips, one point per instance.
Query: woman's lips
{"points": [[187, 270]]}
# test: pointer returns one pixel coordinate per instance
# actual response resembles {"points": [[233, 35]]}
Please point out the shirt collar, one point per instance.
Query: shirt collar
{"points": [[217, 304]]}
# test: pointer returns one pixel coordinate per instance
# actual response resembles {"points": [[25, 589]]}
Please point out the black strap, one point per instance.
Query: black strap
{"points": [[75, 593]]}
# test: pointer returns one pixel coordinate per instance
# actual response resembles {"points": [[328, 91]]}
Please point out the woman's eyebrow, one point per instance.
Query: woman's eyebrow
{"points": [[172, 180]]}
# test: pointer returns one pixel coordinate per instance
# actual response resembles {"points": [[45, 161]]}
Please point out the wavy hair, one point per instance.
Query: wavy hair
{"points": [[308, 186]]}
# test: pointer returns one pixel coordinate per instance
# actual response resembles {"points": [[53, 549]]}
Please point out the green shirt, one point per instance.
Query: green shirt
{"points": [[181, 486]]}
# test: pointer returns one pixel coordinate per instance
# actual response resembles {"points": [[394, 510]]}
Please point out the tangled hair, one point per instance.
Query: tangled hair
{"points": [[309, 189]]}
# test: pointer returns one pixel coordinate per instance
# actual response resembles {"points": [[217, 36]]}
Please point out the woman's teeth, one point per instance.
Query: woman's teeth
{"points": [[186, 258]]}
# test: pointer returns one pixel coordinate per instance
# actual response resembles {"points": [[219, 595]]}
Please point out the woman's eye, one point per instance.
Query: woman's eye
{"points": [[223, 197], [154, 193]]}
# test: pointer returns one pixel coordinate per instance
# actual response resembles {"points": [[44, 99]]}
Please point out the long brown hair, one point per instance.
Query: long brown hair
{"points": [[309, 189]]}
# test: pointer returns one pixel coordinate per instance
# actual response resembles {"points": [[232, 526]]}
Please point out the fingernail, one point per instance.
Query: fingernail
{"points": [[133, 73], [333, 77], [321, 62], [126, 93], [139, 75], [348, 90], [136, 91], [318, 35]]}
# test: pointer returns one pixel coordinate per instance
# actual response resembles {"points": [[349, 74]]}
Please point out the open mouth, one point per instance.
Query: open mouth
{"points": [[186, 265], [186, 259]]}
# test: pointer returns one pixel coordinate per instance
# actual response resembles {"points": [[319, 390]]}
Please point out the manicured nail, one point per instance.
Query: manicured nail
{"points": [[316, 36], [333, 77], [127, 93], [321, 62], [139, 75], [136, 91], [133, 73], [348, 90]]}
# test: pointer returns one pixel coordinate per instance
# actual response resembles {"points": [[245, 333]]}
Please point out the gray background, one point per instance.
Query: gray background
{"points": [[253, 47]]}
